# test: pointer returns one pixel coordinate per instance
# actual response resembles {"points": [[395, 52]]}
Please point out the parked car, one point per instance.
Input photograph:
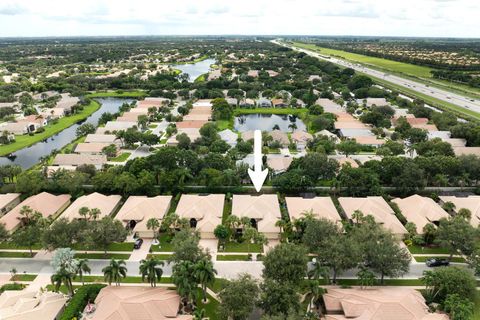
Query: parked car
{"points": [[436, 262], [138, 243]]}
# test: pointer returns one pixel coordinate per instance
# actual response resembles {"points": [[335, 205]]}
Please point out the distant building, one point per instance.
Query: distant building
{"points": [[264, 103]]}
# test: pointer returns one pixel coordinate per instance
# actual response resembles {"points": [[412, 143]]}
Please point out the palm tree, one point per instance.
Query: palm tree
{"points": [[314, 293], [153, 224], [151, 270], [318, 271], [83, 212], [293, 126], [62, 276], [185, 281], [115, 271], [205, 273], [95, 213], [82, 267], [26, 215]]}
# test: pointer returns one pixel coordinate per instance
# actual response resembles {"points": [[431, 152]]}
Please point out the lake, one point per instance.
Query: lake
{"points": [[27, 157], [195, 70], [266, 122]]}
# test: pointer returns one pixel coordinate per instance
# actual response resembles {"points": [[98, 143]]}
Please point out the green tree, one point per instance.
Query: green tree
{"points": [[186, 283], [28, 236], [85, 129], [458, 308], [82, 268], [115, 271], [104, 232], [151, 270], [286, 263], [154, 224], [279, 298], [30, 182], [64, 277], [185, 247], [348, 147], [205, 274], [239, 298], [457, 234], [222, 233], [441, 282], [366, 277]]}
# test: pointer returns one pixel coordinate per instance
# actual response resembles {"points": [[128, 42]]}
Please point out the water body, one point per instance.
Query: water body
{"points": [[266, 122], [195, 70], [27, 157]]}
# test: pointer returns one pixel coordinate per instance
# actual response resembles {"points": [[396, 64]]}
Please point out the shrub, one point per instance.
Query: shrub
{"points": [[80, 299]]}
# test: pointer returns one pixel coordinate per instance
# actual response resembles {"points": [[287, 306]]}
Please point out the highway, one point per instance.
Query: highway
{"points": [[434, 92]]}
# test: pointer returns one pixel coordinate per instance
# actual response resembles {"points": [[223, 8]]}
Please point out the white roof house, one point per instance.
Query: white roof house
{"points": [[263, 210], [102, 138], [71, 159], [229, 137], [8, 201]]}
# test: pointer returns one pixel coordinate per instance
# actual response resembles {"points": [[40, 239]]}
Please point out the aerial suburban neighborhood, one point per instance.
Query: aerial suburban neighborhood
{"points": [[276, 175]]}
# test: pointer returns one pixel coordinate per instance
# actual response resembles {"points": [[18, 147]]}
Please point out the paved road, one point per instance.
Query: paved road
{"points": [[454, 98], [226, 269]]}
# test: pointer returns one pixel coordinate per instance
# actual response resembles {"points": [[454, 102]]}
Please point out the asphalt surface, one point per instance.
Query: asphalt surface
{"points": [[440, 94], [225, 269]]}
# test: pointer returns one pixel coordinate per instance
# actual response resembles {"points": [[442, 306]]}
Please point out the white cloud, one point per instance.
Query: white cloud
{"points": [[319, 17]]}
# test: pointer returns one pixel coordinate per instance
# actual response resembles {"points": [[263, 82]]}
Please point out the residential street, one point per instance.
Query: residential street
{"points": [[224, 268]]}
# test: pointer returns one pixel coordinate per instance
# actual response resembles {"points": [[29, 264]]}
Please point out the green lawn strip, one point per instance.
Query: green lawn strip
{"points": [[227, 210], [200, 78], [128, 279], [15, 254], [224, 124], [402, 67], [63, 289], [243, 247], [160, 256], [476, 313], [454, 259], [218, 284], [25, 140], [233, 257], [426, 250], [101, 255], [211, 307], [13, 246], [164, 245], [152, 126], [24, 277], [114, 94], [119, 246], [388, 282], [121, 158]]}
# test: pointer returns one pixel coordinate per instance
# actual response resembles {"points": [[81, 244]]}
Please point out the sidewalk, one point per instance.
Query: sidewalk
{"points": [[140, 254]]}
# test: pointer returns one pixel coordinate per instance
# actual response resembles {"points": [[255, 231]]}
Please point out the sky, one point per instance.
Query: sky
{"points": [[420, 18]]}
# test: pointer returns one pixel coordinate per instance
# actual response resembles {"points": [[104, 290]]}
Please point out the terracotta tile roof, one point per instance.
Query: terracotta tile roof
{"points": [[321, 207], [106, 205], [206, 209], [46, 203], [471, 203], [264, 208]]}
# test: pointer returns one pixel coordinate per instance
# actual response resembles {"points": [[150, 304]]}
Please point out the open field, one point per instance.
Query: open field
{"points": [[407, 68], [26, 140], [420, 73]]}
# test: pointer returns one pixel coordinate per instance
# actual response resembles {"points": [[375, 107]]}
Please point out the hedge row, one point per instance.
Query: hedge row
{"points": [[80, 299]]}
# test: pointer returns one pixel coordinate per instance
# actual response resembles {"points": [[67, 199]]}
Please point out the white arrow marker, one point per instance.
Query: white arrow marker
{"points": [[257, 175]]}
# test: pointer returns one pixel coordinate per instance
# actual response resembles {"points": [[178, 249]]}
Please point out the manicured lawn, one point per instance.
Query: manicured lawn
{"points": [[119, 246], [454, 259], [152, 126], [224, 124], [200, 78], [476, 314], [25, 140], [163, 257], [121, 158], [218, 284], [163, 141], [11, 245], [128, 279], [233, 257], [243, 247], [23, 277], [164, 245], [407, 68], [102, 256], [211, 308], [13, 254], [113, 94], [426, 250]]}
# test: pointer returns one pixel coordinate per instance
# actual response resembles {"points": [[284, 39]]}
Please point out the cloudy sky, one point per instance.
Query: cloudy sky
{"points": [[438, 18]]}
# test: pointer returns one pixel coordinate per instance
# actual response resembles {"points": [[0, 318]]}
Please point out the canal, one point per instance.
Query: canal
{"points": [[27, 157]]}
